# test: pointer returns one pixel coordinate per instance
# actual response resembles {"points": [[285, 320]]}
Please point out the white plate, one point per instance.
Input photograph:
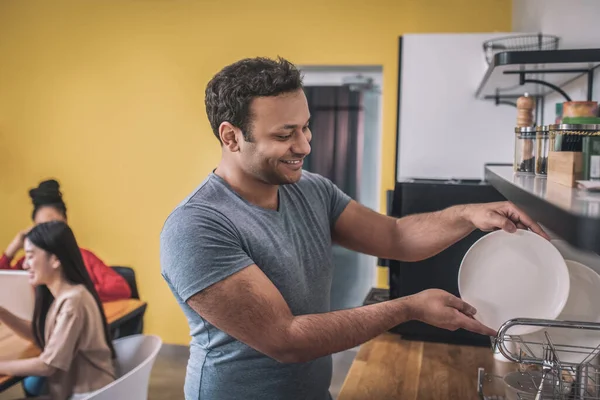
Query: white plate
{"points": [[514, 275], [582, 305]]}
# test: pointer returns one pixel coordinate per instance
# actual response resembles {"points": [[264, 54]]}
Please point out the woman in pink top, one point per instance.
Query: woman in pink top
{"points": [[68, 325]]}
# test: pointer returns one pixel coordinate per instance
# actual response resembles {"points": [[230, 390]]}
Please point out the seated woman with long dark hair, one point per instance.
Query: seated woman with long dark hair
{"points": [[68, 324], [48, 205]]}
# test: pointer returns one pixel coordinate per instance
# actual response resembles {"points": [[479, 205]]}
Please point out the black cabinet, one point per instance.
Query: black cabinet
{"points": [[441, 271]]}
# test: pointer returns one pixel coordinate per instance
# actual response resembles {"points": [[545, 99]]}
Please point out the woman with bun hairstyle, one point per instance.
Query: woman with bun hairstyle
{"points": [[48, 205], [68, 324]]}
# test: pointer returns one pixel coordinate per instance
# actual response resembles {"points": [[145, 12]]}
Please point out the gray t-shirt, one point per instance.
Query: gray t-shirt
{"points": [[215, 233]]}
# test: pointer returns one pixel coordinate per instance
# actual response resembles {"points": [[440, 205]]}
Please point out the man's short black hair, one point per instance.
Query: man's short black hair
{"points": [[230, 92]]}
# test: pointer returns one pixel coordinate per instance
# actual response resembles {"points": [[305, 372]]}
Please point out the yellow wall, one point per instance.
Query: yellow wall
{"points": [[107, 96]]}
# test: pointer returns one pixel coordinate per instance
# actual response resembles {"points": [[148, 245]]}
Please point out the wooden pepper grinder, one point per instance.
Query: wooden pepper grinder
{"points": [[525, 106]]}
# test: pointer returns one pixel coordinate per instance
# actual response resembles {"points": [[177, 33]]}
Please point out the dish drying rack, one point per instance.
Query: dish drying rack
{"points": [[559, 379]]}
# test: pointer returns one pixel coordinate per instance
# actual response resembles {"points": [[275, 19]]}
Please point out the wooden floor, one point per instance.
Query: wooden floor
{"points": [[168, 373]]}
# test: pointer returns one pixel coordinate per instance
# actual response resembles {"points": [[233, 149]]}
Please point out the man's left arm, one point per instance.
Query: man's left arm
{"points": [[420, 236]]}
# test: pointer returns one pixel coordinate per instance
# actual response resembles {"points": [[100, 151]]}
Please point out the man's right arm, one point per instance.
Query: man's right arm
{"points": [[248, 307]]}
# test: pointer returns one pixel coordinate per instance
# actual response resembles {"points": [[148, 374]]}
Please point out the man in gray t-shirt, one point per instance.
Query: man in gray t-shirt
{"points": [[248, 253]]}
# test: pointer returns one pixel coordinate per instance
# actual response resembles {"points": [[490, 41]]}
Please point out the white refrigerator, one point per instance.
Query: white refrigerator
{"points": [[443, 130]]}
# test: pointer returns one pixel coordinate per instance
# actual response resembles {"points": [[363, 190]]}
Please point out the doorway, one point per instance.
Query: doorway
{"points": [[346, 121]]}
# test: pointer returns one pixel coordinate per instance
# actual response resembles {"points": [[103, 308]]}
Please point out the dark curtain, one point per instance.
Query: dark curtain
{"points": [[336, 125]]}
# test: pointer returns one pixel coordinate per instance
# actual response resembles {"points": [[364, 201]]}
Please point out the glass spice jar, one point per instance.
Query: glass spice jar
{"points": [[524, 161], [542, 141]]}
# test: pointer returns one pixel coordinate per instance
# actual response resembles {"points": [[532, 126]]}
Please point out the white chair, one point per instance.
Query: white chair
{"points": [[135, 357]]}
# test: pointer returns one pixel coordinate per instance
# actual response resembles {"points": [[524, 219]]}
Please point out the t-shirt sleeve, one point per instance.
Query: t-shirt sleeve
{"points": [[336, 199], [60, 347], [199, 247]]}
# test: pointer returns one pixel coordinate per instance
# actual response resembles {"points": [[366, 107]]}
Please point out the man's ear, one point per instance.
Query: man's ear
{"points": [[229, 135]]}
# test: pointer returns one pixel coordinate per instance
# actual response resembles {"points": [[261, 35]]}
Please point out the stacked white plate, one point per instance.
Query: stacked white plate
{"points": [[522, 275], [582, 305]]}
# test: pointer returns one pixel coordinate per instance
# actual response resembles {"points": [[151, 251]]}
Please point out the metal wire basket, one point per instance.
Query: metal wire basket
{"points": [[544, 370], [519, 43]]}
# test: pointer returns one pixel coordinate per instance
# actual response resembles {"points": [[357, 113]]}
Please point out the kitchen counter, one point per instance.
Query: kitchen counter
{"points": [[389, 367]]}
